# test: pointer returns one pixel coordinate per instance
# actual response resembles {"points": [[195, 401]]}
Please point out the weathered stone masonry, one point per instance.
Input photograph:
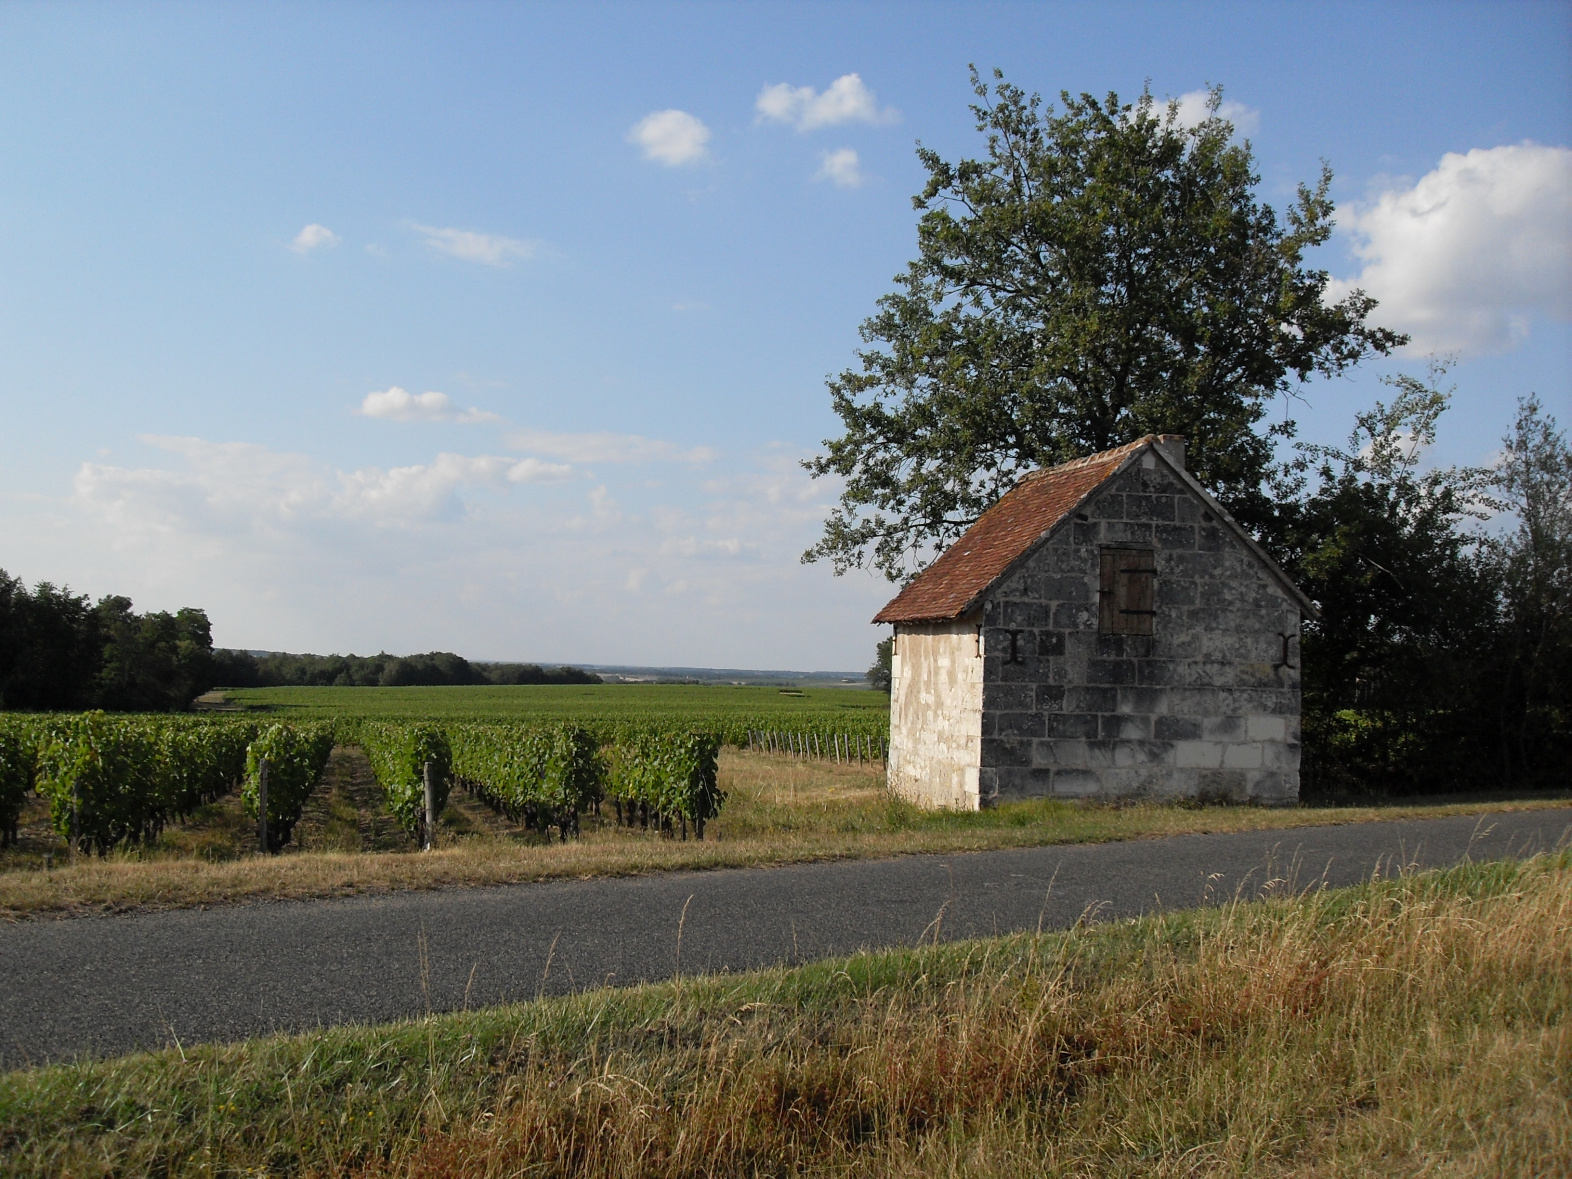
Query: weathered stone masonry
{"points": [[1103, 630], [1207, 706]]}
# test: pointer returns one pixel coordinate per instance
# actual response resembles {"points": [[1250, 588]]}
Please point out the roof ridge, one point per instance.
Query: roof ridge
{"points": [[1038, 503], [1087, 460]]}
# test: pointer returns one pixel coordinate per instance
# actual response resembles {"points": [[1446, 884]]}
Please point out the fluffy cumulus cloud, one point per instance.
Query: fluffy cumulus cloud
{"points": [[671, 137], [841, 168], [400, 405], [1467, 257], [845, 100], [1196, 107], [313, 237], [485, 249]]}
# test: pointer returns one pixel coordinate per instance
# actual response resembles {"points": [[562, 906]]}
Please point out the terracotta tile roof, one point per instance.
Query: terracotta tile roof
{"points": [[1023, 515]]}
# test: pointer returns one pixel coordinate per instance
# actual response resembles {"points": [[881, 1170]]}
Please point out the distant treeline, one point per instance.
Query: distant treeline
{"points": [[241, 669], [60, 651]]}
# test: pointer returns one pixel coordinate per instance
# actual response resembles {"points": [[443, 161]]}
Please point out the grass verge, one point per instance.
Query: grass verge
{"points": [[780, 811], [1415, 1025]]}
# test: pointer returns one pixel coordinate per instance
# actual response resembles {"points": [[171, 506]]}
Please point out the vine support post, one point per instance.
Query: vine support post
{"points": [[431, 806], [262, 806]]}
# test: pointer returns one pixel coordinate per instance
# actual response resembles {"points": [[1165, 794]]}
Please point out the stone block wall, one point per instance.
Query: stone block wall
{"points": [[936, 714], [1205, 707]]}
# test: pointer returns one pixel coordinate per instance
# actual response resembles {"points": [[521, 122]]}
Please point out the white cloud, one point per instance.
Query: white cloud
{"points": [[487, 249], [313, 237], [1465, 259], [482, 554], [403, 495], [400, 405], [606, 447], [1194, 109], [841, 168], [846, 100], [233, 489], [692, 546], [671, 137], [533, 470]]}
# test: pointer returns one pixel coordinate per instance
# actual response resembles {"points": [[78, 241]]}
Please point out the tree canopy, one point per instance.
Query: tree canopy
{"points": [[1103, 273], [241, 669], [1443, 654], [59, 651]]}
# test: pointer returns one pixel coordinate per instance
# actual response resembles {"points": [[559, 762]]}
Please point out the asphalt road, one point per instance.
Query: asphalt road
{"points": [[103, 985]]}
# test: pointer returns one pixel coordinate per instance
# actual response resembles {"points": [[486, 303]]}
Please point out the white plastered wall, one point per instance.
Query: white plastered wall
{"points": [[936, 714]]}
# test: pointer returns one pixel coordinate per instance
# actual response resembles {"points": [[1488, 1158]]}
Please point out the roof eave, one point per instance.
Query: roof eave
{"points": [[925, 620]]}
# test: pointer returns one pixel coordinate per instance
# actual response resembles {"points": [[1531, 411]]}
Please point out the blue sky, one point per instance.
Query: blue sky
{"points": [[223, 228]]}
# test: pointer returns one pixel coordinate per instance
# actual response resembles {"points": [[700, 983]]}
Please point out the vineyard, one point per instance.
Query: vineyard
{"points": [[716, 708], [116, 781]]}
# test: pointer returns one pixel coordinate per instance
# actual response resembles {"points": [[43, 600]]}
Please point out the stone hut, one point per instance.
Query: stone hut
{"points": [[1105, 630]]}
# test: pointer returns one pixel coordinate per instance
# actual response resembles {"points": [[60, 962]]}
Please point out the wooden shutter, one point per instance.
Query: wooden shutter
{"points": [[1126, 598]]}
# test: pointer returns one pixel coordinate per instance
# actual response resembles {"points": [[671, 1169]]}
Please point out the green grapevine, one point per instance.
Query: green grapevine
{"points": [[296, 756], [17, 755], [667, 778], [398, 755], [117, 780], [542, 777]]}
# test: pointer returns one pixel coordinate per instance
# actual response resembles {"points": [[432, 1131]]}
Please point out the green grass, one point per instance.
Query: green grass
{"points": [[563, 701], [1416, 1025]]}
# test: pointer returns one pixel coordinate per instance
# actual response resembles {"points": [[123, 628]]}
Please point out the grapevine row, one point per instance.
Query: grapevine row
{"points": [[541, 777], [729, 728], [548, 776], [399, 755], [666, 779], [296, 756], [119, 780]]}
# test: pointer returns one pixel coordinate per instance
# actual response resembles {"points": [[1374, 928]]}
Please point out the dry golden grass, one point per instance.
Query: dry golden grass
{"points": [[780, 811], [1416, 1026]]}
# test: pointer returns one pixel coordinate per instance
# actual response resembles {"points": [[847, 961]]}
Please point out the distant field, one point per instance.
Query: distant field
{"points": [[564, 701]]}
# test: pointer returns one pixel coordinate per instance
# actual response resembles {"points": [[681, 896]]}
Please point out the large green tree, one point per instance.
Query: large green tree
{"points": [[1442, 658], [1531, 682], [1383, 544], [1103, 273], [59, 652]]}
